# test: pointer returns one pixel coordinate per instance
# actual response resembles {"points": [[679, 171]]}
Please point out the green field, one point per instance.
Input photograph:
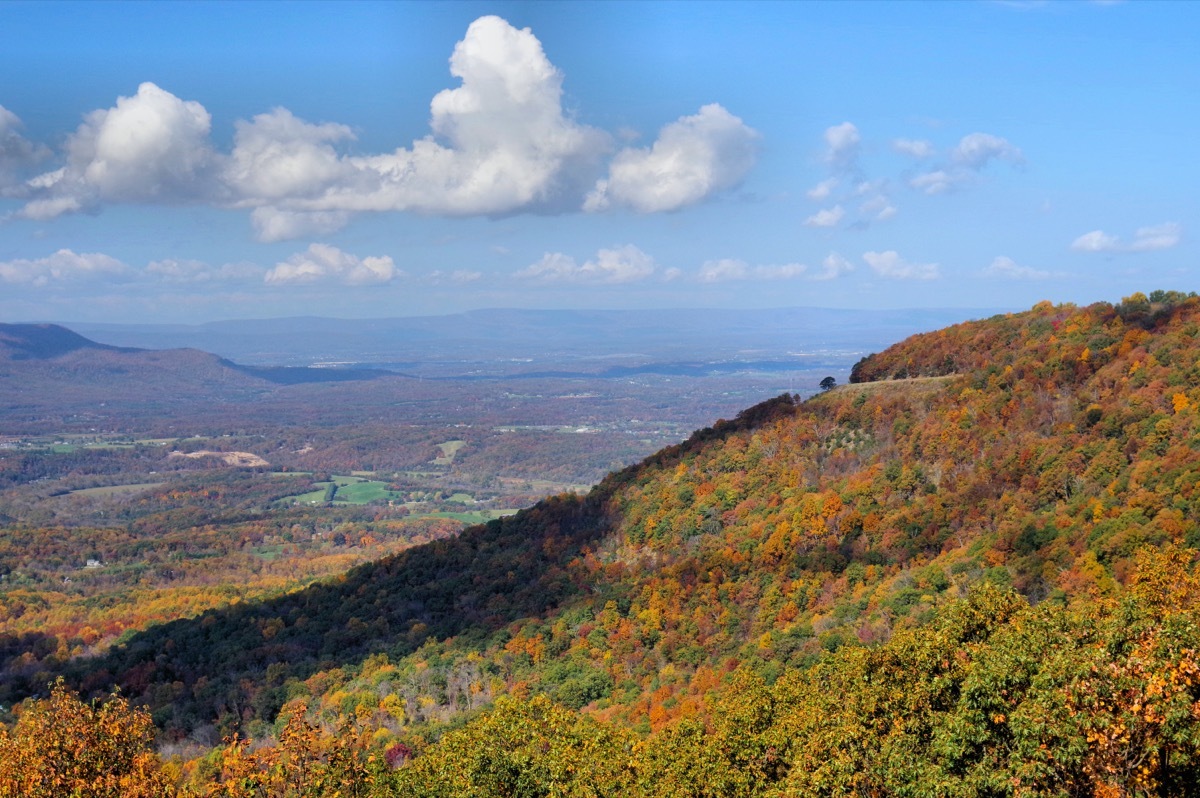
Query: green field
{"points": [[350, 490], [365, 492], [356, 490], [473, 517]]}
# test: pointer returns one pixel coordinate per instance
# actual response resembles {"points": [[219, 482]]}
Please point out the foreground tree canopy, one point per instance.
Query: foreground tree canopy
{"points": [[994, 697]]}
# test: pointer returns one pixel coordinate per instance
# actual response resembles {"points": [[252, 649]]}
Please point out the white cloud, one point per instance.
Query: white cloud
{"points": [[914, 148], [152, 146], [625, 264], [889, 264], [843, 142], [17, 153], [1161, 236], [1095, 241], [938, 181], [724, 269], [848, 186], [1145, 239], [508, 145], [499, 143], [42, 209], [1007, 268], [458, 276], [325, 263], [692, 159], [62, 265], [730, 269], [279, 157], [973, 153], [823, 189], [272, 224], [975, 150], [828, 217], [879, 207], [833, 266]]}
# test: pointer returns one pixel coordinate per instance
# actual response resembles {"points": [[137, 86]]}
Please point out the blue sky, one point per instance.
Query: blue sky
{"points": [[193, 162]]}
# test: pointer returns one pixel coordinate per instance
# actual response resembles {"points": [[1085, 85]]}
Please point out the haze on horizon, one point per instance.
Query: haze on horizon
{"points": [[188, 162]]}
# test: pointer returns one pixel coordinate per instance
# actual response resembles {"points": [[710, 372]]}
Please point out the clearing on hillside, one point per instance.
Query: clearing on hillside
{"points": [[450, 450]]}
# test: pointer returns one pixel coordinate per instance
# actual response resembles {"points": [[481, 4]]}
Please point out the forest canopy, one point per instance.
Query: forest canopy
{"points": [[971, 571]]}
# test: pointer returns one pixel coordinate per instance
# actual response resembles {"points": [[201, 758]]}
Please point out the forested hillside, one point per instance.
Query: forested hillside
{"points": [[969, 572]]}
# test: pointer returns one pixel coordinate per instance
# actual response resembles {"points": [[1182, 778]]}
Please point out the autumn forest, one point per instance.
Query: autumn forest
{"points": [[971, 570]]}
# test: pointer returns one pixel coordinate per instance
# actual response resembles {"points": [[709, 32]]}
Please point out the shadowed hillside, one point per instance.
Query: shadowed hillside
{"points": [[467, 587]]}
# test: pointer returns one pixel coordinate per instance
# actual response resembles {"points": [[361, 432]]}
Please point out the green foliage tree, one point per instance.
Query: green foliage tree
{"points": [[523, 749]]}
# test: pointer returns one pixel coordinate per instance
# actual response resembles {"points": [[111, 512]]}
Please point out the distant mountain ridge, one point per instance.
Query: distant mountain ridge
{"points": [[469, 340], [45, 341], [76, 356]]}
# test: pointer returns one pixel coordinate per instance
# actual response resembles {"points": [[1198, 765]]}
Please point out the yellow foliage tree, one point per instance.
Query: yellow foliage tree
{"points": [[62, 746]]}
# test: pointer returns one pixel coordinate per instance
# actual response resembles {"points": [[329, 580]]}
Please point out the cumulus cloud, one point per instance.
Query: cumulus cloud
{"points": [[458, 276], [325, 263], [848, 186], [971, 155], [976, 150], [843, 144], [1006, 268], [889, 264], [914, 148], [152, 146], [1145, 239], [17, 154], [62, 266], [939, 181], [692, 159], [500, 142], [878, 207], [277, 157], [1095, 241], [44, 209], [625, 264], [508, 144], [728, 269], [273, 224], [833, 266], [723, 269], [1160, 236], [828, 217], [823, 189]]}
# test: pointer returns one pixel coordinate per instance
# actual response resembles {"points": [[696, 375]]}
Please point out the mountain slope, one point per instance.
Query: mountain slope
{"points": [[1038, 450]]}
